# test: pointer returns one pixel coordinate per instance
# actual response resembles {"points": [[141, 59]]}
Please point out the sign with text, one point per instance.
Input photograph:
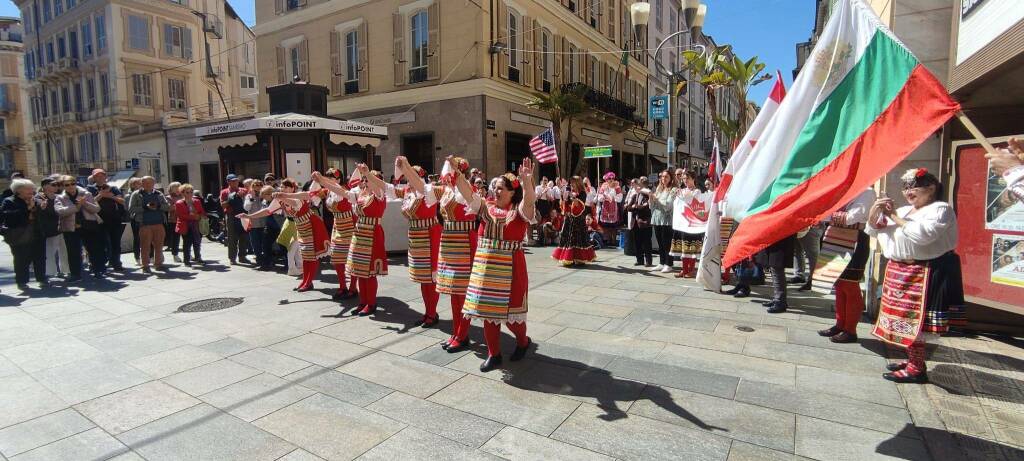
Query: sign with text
{"points": [[597, 152], [657, 107]]}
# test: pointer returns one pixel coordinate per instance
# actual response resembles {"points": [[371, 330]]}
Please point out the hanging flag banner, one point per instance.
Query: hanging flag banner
{"points": [[597, 152]]}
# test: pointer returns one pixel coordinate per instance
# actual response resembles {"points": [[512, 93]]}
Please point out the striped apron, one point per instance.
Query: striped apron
{"points": [[307, 236], [360, 255], [455, 261], [420, 268], [341, 236], [837, 249], [490, 283]]}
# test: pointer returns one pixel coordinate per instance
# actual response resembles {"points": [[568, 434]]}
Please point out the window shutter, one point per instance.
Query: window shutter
{"points": [[434, 41], [587, 76], [558, 73], [304, 60], [186, 42], [567, 62], [538, 58], [128, 35], [503, 38], [168, 42], [527, 60], [278, 6], [337, 79], [581, 9], [281, 77], [364, 72], [399, 48], [611, 17]]}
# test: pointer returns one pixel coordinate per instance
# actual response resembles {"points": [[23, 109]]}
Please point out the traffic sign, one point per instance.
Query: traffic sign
{"points": [[657, 107], [597, 152]]}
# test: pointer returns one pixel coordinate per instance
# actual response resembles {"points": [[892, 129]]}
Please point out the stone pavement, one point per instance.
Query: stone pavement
{"points": [[628, 365]]}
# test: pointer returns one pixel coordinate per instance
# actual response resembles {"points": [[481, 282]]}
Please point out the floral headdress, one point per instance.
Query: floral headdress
{"points": [[915, 177], [512, 179]]}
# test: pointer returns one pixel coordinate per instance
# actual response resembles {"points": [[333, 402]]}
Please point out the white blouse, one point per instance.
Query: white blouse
{"points": [[931, 232]]}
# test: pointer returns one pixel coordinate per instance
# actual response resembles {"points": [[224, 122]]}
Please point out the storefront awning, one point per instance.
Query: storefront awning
{"points": [[354, 140], [120, 178], [243, 140], [294, 122]]}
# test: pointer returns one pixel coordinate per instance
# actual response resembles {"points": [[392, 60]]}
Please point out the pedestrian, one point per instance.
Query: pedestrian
{"points": [[188, 211], [22, 232], [922, 292], [776, 259], [9, 190], [573, 247], [79, 223], [662, 201], [173, 238], [419, 206], [257, 226], [272, 230], [134, 184], [309, 228], [844, 267], [498, 286], [148, 207], [690, 222], [639, 206], [56, 254], [808, 245], [232, 199], [341, 231], [113, 213]]}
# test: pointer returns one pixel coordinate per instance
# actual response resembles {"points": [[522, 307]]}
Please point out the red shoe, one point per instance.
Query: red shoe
{"points": [[304, 288], [427, 321], [367, 310]]}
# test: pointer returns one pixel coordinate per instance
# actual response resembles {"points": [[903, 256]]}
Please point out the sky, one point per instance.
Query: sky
{"points": [[768, 29]]}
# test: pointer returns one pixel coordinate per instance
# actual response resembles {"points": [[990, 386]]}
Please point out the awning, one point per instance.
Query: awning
{"points": [[121, 177], [294, 122], [243, 140], [354, 140]]}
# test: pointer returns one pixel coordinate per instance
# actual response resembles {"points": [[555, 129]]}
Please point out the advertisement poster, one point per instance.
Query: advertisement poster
{"points": [[1008, 260], [1002, 212]]}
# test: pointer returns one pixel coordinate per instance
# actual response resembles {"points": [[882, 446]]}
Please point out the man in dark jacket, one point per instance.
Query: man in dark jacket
{"points": [[232, 199], [112, 212], [55, 253], [21, 232]]}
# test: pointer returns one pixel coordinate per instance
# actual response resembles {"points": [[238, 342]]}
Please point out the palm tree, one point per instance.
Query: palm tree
{"points": [[721, 69], [743, 74], [562, 107]]}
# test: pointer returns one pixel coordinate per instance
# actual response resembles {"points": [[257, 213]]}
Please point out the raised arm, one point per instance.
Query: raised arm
{"points": [[528, 206], [293, 195], [463, 186], [415, 181], [375, 184], [330, 184]]}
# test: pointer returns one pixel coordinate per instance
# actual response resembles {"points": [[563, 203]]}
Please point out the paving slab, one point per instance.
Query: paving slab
{"points": [[434, 355], [330, 428], [821, 439], [594, 386], [580, 321], [608, 344], [50, 353], [210, 377], [519, 445], [174, 361], [227, 347], [133, 344], [93, 444], [816, 357], [300, 455], [90, 378], [341, 386], [403, 374], [741, 366], [466, 428], [694, 338], [416, 444], [268, 333], [529, 410], [193, 334], [133, 407], [404, 344], [742, 451], [41, 431], [256, 397], [355, 330], [858, 387], [690, 379], [23, 398], [203, 432], [269, 361], [671, 319], [321, 350], [619, 438], [749, 423]]}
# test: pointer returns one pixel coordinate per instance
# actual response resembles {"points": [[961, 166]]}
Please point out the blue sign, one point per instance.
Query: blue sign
{"points": [[135, 164], [657, 107]]}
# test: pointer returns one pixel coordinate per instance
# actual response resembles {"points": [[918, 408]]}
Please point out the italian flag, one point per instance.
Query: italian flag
{"points": [[860, 105]]}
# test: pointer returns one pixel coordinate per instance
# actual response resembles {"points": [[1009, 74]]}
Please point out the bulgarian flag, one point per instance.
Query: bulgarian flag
{"points": [[739, 156], [861, 104]]}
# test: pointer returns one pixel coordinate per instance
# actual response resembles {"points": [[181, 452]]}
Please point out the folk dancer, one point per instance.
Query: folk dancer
{"points": [[498, 286], [344, 226], [419, 206], [689, 223], [922, 291], [573, 246]]}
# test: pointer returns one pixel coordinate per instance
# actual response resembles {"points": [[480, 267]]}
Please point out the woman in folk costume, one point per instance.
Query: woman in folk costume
{"points": [[367, 257], [689, 222], [499, 282], [310, 229], [341, 235], [573, 246], [923, 288], [609, 196], [843, 255], [419, 206], [457, 244]]}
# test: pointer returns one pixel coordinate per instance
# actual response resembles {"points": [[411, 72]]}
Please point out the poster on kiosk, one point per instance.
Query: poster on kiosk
{"points": [[298, 166]]}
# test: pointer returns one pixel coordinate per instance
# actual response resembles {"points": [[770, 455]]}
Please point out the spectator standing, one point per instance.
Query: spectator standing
{"points": [[188, 211], [112, 212], [257, 226], [55, 252], [148, 208], [172, 238], [640, 224], [79, 223], [661, 218], [22, 232], [232, 199], [133, 186]]}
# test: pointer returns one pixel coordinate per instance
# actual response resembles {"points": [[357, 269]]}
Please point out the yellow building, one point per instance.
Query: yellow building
{"points": [[454, 76], [102, 73], [12, 101]]}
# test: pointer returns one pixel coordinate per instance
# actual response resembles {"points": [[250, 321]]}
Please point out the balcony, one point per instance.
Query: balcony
{"points": [[213, 25], [10, 36], [216, 72], [612, 112], [66, 65]]}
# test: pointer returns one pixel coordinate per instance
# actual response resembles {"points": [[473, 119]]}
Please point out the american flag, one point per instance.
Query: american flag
{"points": [[542, 147]]}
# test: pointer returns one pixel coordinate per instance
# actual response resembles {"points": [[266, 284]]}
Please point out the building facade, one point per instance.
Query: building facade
{"points": [[13, 153], [105, 76], [454, 77]]}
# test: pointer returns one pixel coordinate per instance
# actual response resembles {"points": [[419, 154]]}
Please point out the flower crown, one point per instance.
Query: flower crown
{"points": [[420, 171], [913, 174], [461, 163], [512, 179]]}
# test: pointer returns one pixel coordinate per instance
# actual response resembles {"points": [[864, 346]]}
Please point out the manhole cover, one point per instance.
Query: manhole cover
{"points": [[209, 305], [744, 328]]}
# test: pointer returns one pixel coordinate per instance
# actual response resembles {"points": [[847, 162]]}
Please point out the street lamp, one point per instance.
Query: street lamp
{"points": [[694, 12]]}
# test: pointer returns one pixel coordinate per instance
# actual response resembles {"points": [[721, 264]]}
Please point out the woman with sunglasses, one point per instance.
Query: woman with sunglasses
{"points": [[498, 285], [922, 292]]}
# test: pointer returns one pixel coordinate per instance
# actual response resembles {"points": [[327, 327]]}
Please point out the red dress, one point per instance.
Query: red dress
{"points": [[310, 230], [367, 256], [498, 285], [424, 235], [344, 226], [458, 244], [573, 245]]}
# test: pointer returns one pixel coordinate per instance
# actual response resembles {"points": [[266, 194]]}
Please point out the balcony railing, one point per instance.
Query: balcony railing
{"points": [[10, 36], [213, 25], [604, 103]]}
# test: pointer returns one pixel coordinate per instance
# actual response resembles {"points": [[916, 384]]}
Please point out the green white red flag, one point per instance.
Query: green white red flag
{"points": [[860, 105]]}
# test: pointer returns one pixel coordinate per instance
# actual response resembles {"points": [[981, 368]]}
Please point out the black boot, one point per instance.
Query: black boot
{"points": [[521, 351], [491, 363], [777, 307], [742, 292]]}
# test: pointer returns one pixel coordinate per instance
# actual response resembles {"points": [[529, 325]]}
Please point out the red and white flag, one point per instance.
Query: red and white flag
{"points": [[771, 105], [543, 148]]}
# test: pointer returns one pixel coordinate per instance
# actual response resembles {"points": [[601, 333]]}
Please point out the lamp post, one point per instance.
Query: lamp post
{"points": [[694, 13]]}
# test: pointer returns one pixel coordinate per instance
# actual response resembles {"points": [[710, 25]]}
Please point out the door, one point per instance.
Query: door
{"points": [[298, 166], [209, 174], [517, 147]]}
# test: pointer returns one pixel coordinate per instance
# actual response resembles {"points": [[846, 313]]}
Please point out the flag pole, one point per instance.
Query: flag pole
{"points": [[960, 115]]}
